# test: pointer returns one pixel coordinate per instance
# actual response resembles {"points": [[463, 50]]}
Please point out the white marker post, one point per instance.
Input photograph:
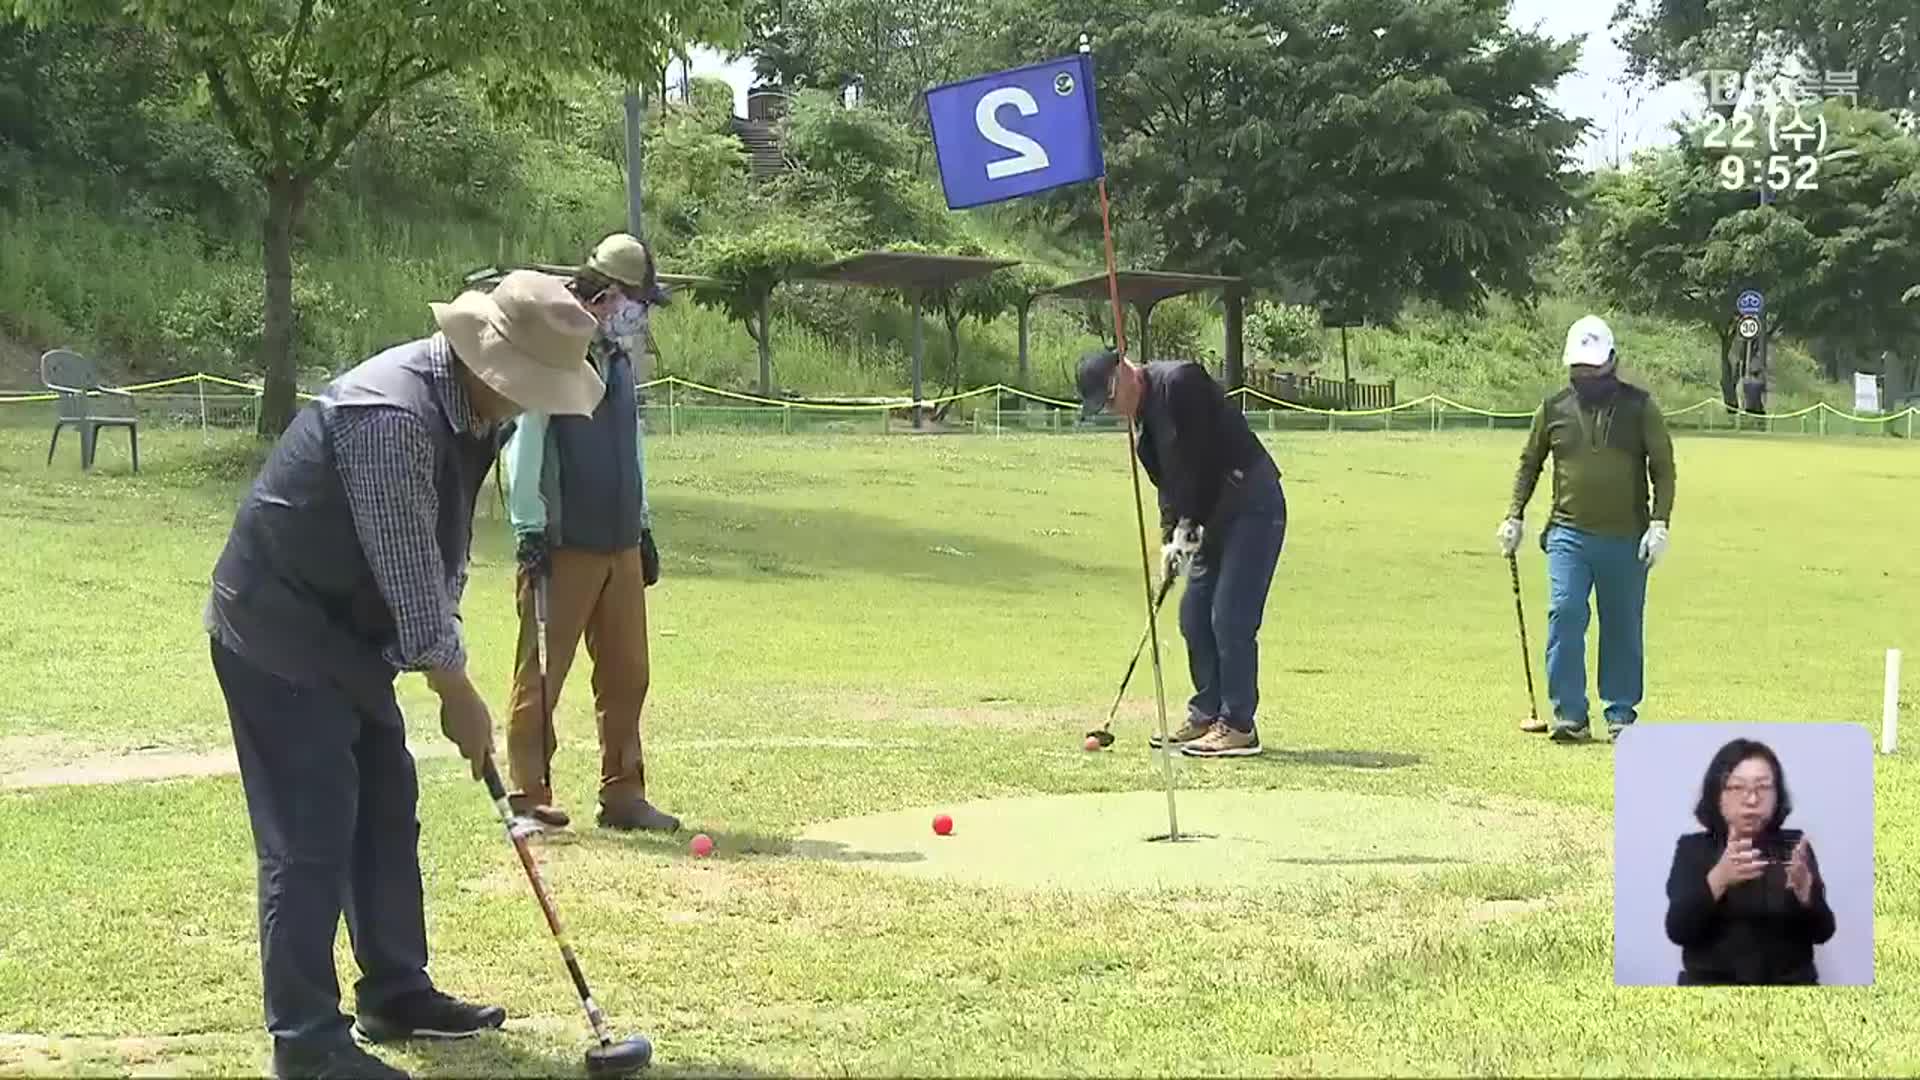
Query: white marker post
{"points": [[1890, 706]]}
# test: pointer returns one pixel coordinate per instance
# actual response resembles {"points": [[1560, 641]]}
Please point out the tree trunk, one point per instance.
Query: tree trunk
{"points": [[953, 369], [285, 198], [1729, 378], [1233, 356], [763, 340]]}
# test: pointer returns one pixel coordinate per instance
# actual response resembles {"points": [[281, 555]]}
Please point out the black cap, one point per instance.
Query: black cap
{"points": [[1094, 378]]}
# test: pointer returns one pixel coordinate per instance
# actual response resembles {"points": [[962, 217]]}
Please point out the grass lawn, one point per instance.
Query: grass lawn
{"points": [[857, 624]]}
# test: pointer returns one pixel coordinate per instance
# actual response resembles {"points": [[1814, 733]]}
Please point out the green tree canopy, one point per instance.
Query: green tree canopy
{"points": [[1365, 151], [1877, 41], [894, 49], [1831, 257], [295, 82]]}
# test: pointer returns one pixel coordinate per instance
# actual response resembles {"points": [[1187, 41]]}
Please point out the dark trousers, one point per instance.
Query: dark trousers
{"points": [[1226, 600], [331, 793]]}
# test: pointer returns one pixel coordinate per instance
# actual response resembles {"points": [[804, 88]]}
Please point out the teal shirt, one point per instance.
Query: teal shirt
{"points": [[525, 455]]}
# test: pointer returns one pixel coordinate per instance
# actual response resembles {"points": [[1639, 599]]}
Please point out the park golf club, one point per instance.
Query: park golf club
{"points": [[1104, 733], [610, 1058], [1533, 726]]}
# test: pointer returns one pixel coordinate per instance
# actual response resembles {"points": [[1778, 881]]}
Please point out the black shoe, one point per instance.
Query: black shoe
{"points": [[347, 1062], [1571, 734], [428, 1014], [631, 813]]}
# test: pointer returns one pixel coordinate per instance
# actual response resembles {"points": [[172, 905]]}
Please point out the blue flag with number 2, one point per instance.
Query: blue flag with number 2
{"points": [[1016, 132]]}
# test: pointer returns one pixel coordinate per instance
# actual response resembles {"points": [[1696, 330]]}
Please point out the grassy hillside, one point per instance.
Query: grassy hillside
{"points": [[132, 234]]}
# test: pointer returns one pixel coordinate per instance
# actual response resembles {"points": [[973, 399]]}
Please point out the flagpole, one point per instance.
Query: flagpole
{"points": [[1139, 513]]}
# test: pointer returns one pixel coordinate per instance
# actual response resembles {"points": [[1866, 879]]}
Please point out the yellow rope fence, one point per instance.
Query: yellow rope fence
{"points": [[1433, 404]]}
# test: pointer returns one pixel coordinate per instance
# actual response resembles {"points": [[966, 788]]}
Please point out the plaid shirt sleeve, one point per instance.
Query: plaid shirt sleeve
{"points": [[386, 462]]}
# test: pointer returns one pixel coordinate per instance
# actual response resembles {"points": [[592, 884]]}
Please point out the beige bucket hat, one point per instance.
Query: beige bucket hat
{"points": [[527, 339], [621, 257]]}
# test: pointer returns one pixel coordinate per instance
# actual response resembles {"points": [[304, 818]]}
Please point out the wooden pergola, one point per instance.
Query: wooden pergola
{"points": [[917, 274], [1143, 290]]}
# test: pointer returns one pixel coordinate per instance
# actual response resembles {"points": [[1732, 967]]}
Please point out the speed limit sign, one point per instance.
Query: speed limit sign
{"points": [[1749, 326]]}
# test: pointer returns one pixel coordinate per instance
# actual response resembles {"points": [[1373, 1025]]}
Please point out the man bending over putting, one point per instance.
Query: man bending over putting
{"points": [[1607, 437], [1223, 520], [345, 567]]}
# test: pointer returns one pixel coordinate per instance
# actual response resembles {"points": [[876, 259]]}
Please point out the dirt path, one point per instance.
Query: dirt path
{"points": [[63, 763]]}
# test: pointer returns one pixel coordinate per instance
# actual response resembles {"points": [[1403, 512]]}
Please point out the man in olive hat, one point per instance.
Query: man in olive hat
{"points": [[346, 566], [577, 501]]}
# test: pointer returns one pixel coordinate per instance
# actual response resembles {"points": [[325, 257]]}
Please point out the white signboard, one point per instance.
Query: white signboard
{"points": [[1866, 392]]}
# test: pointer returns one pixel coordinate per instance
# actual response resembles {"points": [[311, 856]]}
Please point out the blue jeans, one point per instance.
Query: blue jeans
{"points": [[1224, 602], [1609, 567]]}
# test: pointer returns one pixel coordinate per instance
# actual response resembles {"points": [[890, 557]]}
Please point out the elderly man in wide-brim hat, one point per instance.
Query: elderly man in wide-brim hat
{"points": [[577, 502], [345, 567]]}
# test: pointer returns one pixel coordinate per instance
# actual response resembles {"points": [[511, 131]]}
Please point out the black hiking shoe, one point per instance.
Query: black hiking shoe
{"points": [[347, 1062], [1571, 734], [428, 1014], [636, 813]]}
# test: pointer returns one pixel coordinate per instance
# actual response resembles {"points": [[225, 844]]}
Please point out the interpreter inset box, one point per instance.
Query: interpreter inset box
{"points": [[1743, 855]]}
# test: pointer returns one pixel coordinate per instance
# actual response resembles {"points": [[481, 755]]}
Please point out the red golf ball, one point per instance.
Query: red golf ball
{"points": [[942, 824], [1093, 743], [703, 845]]}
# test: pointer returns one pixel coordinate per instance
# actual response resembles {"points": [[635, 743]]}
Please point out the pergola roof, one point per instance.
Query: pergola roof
{"points": [[907, 270], [1141, 286], [492, 274]]}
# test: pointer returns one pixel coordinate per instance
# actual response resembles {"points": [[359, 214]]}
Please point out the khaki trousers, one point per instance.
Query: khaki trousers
{"points": [[603, 597]]}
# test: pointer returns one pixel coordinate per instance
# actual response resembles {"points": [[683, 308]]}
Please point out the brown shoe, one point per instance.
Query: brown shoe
{"points": [[632, 812], [1196, 727], [543, 812], [1223, 741]]}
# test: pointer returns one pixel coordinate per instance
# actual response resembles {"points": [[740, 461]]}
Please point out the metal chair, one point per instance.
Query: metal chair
{"points": [[87, 404]]}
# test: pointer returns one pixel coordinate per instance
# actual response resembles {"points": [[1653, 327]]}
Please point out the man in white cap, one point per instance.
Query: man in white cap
{"points": [[1608, 440], [577, 501], [345, 567]]}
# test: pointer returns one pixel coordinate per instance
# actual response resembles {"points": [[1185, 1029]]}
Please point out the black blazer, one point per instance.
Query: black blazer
{"points": [[1758, 932]]}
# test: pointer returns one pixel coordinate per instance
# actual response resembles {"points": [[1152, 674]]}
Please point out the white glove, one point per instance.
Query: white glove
{"points": [[1176, 555], [1653, 543], [1509, 535]]}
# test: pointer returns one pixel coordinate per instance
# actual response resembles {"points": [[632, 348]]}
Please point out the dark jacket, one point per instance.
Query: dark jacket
{"points": [[1197, 448], [1605, 457], [293, 591], [1758, 932]]}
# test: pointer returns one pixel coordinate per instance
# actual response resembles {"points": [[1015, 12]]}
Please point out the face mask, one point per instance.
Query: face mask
{"points": [[627, 320], [1599, 387]]}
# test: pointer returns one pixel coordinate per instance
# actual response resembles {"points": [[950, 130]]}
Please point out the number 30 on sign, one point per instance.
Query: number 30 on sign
{"points": [[1016, 132]]}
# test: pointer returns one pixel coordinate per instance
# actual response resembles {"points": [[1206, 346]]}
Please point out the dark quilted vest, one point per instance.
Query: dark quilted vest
{"points": [[593, 486], [293, 591]]}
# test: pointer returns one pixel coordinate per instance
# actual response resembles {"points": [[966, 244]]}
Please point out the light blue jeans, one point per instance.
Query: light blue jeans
{"points": [[1609, 567]]}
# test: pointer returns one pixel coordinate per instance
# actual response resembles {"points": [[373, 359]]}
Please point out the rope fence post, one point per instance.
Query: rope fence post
{"points": [[200, 386], [672, 411]]}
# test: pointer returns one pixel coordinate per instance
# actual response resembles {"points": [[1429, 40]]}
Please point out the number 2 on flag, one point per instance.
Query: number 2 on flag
{"points": [[1030, 155]]}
